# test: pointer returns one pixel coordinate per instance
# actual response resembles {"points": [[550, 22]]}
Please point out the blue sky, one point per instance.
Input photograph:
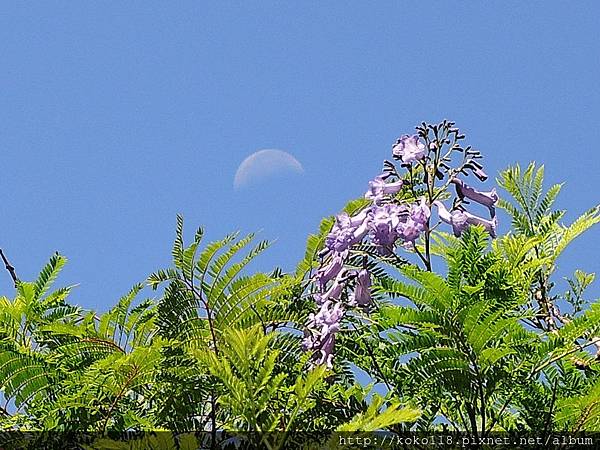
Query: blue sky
{"points": [[116, 116]]}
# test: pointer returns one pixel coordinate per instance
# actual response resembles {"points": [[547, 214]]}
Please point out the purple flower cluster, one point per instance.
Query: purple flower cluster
{"points": [[323, 325], [385, 223]]}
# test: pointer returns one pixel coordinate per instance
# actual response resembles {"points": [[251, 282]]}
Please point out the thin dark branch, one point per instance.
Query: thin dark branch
{"points": [[4, 412], [119, 396], [10, 268], [548, 423], [375, 363]]}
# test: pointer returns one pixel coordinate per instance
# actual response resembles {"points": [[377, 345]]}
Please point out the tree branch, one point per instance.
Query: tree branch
{"points": [[10, 269]]}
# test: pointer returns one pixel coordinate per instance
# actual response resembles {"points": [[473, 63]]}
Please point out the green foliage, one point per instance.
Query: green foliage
{"points": [[532, 214], [581, 412], [463, 332], [375, 418], [245, 366], [481, 346], [218, 350]]}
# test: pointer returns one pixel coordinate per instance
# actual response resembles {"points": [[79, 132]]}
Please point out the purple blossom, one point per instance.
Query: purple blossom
{"points": [[420, 212], [362, 291], [488, 199], [347, 231], [378, 188], [326, 351], [327, 320], [410, 230], [388, 223], [409, 149], [456, 218], [321, 331], [489, 225], [329, 272], [384, 223], [460, 220]]}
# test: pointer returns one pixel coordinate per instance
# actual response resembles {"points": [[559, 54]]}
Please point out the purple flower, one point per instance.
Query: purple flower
{"points": [[409, 149], [388, 223], [320, 334], [334, 290], [384, 222], [410, 230], [479, 173], [326, 351], [489, 225], [329, 272], [347, 231], [327, 320], [420, 212], [456, 218], [460, 220], [378, 188], [488, 199], [362, 291]]}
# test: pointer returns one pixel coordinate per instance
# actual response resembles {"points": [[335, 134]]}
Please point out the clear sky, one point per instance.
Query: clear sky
{"points": [[114, 116]]}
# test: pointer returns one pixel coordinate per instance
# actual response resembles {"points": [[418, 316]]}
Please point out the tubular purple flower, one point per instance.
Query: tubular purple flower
{"points": [[461, 219], [326, 351], [420, 212], [456, 218], [409, 149], [347, 231], [489, 225], [329, 272], [362, 291], [378, 188], [488, 199], [386, 219], [410, 230], [334, 290]]}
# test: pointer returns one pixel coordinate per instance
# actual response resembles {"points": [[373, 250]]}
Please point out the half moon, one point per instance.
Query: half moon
{"points": [[264, 163]]}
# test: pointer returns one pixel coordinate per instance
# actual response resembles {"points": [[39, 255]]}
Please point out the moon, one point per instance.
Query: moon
{"points": [[265, 163]]}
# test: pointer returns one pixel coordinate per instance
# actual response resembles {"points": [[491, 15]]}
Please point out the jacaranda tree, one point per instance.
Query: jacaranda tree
{"points": [[458, 326]]}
